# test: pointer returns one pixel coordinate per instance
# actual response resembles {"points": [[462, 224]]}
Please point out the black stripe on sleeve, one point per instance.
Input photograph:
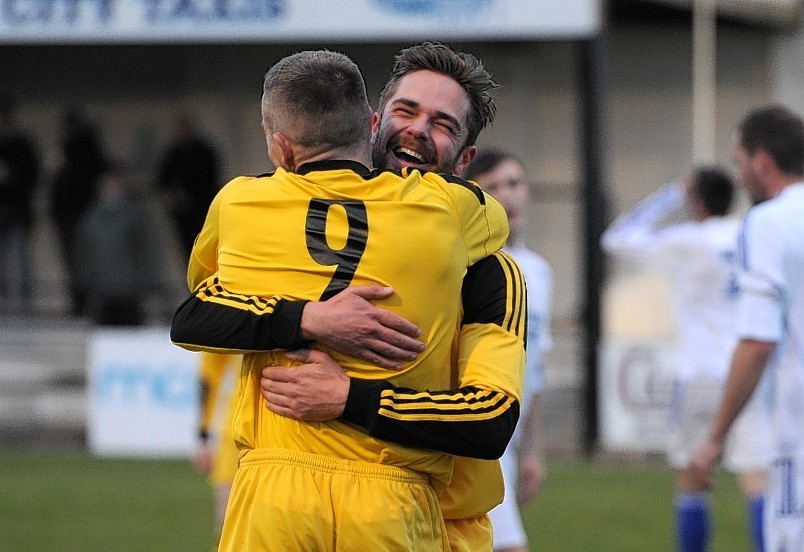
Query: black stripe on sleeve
{"points": [[214, 324], [468, 421], [494, 293]]}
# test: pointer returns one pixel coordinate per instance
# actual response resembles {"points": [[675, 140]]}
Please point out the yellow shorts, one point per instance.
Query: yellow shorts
{"points": [[292, 501], [470, 535]]}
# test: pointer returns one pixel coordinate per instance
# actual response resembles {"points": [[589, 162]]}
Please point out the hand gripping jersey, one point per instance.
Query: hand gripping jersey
{"points": [[308, 235]]}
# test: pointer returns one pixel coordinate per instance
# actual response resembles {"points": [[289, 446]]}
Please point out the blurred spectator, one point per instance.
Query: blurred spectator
{"points": [[73, 191], [188, 174], [19, 169], [502, 175], [115, 245]]}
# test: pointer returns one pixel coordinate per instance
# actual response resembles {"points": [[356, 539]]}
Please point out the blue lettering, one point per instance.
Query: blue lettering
{"points": [[46, 11], [200, 11], [77, 12], [151, 10], [24, 11], [162, 387], [184, 8]]}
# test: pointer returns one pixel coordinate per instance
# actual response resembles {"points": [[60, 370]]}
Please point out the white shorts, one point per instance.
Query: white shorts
{"points": [[748, 446], [506, 521], [784, 505]]}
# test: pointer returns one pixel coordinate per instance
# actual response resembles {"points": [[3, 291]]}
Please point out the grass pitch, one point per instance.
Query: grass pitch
{"points": [[66, 500]]}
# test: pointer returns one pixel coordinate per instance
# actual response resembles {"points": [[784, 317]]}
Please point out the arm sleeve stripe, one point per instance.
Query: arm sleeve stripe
{"points": [[478, 423], [216, 320], [212, 291], [516, 305], [465, 404], [494, 293]]}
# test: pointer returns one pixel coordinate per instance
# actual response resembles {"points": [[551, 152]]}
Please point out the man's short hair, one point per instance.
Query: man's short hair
{"points": [[779, 132], [316, 98], [464, 68], [714, 188], [487, 160]]}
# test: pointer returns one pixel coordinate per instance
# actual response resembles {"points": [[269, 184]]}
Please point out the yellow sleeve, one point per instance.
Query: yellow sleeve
{"points": [[483, 218], [204, 256], [491, 358]]}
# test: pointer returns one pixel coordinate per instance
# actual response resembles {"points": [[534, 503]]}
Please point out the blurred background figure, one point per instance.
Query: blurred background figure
{"points": [[115, 248], [19, 170], [72, 192], [216, 454], [503, 176], [188, 176], [698, 255]]}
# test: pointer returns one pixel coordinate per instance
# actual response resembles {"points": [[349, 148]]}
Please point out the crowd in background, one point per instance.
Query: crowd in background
{"points": [[106, 220]]}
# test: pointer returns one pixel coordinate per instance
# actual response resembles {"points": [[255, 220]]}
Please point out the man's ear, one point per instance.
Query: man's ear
{"points": [[762, 164], [464, 160], [285, 150], [375, 125]]}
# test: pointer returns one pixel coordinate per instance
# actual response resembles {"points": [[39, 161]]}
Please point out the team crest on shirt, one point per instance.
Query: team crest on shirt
{"points": [[432, 7]]}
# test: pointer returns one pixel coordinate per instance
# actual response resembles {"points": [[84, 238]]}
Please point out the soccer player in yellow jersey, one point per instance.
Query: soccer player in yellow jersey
{"points": [[321, 222], [414, 113], [216, 454]]}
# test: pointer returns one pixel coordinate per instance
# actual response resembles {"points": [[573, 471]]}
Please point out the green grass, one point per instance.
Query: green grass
{"points": [[626, 506], [70, 501]]}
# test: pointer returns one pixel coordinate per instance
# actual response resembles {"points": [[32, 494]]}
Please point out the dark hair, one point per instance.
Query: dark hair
{"points": [[464, 68], [115, 167], [8, 104], [487, 160], [714, 188], [317, 98], [779, 132]]}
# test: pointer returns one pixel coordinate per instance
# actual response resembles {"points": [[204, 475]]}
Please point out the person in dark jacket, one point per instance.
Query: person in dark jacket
{"points": [[73, 191], [188, 174], [19, 170], [115, 243]]}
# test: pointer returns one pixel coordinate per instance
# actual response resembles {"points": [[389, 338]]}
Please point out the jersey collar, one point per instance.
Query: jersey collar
{"points": [[332, 165]]}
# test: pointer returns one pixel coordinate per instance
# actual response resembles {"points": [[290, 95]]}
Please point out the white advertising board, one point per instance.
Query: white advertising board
{"points": [[635, 390], [177, 21], [143, 394]]}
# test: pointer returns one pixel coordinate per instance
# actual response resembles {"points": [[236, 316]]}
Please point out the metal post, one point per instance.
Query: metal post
{"points": [[704, 76], [594, 219]]}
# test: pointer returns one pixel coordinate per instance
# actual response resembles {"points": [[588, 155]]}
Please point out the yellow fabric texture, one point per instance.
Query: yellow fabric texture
{"points": [[470, 535], [368, 506], [264, 238]]}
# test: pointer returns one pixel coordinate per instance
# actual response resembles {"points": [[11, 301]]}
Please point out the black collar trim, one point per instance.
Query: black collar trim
{"points": [[334, 164]]}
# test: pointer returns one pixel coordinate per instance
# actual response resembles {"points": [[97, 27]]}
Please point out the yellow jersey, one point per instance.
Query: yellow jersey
{"points": [[306, 236]]}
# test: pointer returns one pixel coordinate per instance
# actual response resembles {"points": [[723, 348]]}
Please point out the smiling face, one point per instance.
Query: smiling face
{"points": [[423, 125]]}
